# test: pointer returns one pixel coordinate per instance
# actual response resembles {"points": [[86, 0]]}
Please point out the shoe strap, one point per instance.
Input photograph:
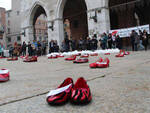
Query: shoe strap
{"points": [[59, 90], [4, 71]]}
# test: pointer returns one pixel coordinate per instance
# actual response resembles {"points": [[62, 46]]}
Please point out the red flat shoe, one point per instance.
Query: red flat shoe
{"points": [[107, 53], [32, 59], [71, 58], [94, 65], [103, 64], [4, 75], [52, 57], [12, 59], [94, 54], [81, 60], [80, 93], [60, 56], [62, 94]]}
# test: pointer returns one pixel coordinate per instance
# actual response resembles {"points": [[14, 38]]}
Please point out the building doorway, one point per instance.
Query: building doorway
{"points": [[75, 19]]}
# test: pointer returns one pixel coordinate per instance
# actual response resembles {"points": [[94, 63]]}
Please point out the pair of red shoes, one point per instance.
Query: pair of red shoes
{"points": [[100, 63], [81, 60], [12, 59], [94, 54], [78, 93], [52, 57], [4, 75], [122, 53], [31, 59], [71, 58]]}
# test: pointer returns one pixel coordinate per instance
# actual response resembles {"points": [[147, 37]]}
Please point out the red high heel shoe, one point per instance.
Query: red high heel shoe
{"points": [[103, 64], [80, 93], [71, 58], [94, 65], [62, 94], [121, 54], [4, 75]]}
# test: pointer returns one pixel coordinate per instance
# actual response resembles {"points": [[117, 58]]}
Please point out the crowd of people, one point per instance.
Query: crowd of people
{"points": [[139, 41], [36, 48], [105, 42]]}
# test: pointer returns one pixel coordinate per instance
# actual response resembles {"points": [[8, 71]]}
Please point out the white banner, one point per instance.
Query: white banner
{"points": [[126, 32]]}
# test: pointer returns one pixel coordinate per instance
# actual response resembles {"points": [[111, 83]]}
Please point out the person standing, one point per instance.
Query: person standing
{"points": [[145, 39], [137, 41], [51, 46], [1, 50], [24, 46], [132, 38], [110, 41], [29, 49], [141, 40]]}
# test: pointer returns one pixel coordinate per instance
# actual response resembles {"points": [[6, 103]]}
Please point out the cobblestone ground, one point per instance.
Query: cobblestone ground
{"points": [[124, 87]]}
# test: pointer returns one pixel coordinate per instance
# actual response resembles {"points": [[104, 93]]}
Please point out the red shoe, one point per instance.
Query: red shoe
{"points": [[94, 54], [80, 93], [4, 75], [12, 59], [62, 94], [107, 53], [103, 64], [2, 57], [71, 58], [94, 65], [52, 57], [127, 53], [121, 54], [60, 56], [84, 56], [81, 60], [32, 59]]}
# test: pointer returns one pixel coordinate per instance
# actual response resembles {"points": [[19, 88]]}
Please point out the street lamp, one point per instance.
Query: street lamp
{"points": [[51, 25]]}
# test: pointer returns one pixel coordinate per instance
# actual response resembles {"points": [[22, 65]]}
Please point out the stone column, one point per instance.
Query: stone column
{"points": [[103, 21]]}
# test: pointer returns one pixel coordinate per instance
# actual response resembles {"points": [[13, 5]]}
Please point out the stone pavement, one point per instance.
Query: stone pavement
{"points": [[124, 87]]}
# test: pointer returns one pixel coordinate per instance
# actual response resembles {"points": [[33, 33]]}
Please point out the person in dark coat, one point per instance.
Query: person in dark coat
{"points": [[67, 42], [145, 39], [110, 41], [88, 43], [132, 38], [118, 42], [24, 46], [51, 46], [29, 49], [73, 44]]}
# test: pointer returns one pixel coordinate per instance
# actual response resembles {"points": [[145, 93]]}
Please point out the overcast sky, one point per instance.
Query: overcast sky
{"points": [[6, 4]]}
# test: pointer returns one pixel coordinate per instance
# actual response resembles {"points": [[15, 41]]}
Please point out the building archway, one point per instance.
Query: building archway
{"points": [[38, 23], [75, 11]]}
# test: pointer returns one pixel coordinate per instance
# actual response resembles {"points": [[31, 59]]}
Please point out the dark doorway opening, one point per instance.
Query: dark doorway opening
{"points": [[75, 19]]}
